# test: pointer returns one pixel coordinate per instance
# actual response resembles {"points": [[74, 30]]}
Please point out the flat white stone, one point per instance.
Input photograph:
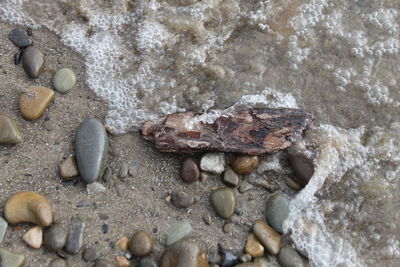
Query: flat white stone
{"points": [[213, 162]]}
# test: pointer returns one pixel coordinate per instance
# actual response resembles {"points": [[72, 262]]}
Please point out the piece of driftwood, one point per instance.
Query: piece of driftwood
{"points": [[254, 131]]}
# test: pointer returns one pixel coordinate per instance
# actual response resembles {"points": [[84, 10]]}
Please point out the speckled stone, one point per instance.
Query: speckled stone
{"points": [[3, 228], [54, 237], [20, 38], [91, 145], [9, 131], [64, 80], [289, 257], [244, 164], [184, 254], [11, 259], [32, 61], [75, 237], [178, 231], [224, 201], [277, 210], [69, 169], [34, 102], [189, 170], [141, 244], [267, 236]]}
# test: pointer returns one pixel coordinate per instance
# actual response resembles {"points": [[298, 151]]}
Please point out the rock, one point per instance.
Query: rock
{"points": [[224, 202], [103, 263], [122, 261], [34, 237], [230, 177], [9, 131], [75, 236], [147, 262], [91, 145], [32, 61], [207, 218], [20, 38], [229, 257], [228, 228], [54, 237], [213, 162], [184, 254], [253, 246], [69, 169], [254, 131], [289, 257], [141, 244], [3, 228], [104, 228], [122, 243], [268, 237], [245, 257], [189, 170], [178, 231], [48, 125], [123, 170], [277, 210], [94, 188], [64, 80], [26, 206], [302, 167], [58, 263], [11, 259], [244, 164], [292, 184], [245, 186], [107, 174], [34, 102], [182, 199], [90, 254]]}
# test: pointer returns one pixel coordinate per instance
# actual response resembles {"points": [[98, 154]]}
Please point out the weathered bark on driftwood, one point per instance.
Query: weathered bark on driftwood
{"points": [[253, 131]]}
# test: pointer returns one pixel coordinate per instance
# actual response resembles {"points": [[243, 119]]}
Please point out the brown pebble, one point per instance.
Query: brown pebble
{"points": [[292, 184], [253, 246], [69, 169], [302, 167], [122, 243], [207, 218], [34, 237], [122, 261], [33, 103], [244, 164], [270, 238], [189, 170], [141, 244]]}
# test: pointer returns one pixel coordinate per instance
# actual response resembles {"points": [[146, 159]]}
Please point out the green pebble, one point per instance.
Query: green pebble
{"points": [[64, 80]]}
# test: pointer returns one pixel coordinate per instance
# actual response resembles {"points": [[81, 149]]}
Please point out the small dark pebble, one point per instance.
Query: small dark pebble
{"points": [[104, 228], [239, 211], [302, 167], [229, 258], [107, 174], [20, 38], [18, 57], [182, 199], [75, 237], [154, 230], [90, 255]]}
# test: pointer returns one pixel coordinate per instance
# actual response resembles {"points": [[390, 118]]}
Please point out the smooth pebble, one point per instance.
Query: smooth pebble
{"points": [[64, 80]]}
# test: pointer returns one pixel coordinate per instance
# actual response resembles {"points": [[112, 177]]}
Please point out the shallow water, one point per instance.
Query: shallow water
{"points": [[338, 59]]}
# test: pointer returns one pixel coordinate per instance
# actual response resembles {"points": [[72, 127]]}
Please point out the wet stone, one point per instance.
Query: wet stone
{"points": [[224, 201], [11, 259], [244, 164], [147, 262], [90, 254], [302, 167], [34, 102], [91, 145], [20, 38], [69, 169], [141, 244], [213, 162], [107, 174], [267, 236], [3, 228], [9, 131], [64, 80], [277, 210], [54, 237], [178, 231], [75, 237], [230, 177], [123, 171], [182, 199], [189, 170], [289, 257], [32, 61], [184, 254], [58, 263]]}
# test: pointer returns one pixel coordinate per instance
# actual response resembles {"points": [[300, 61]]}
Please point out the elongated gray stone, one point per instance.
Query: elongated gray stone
{"points": [[91, 145], [178, 231], [3, 228], [20, 38], [277, 211], [32, 61], [75, 237], [289, 257], [11, 259]]}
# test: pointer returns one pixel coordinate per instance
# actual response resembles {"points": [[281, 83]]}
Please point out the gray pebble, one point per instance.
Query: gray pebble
{"points": [[245, 186], [147, 262], [58, 263], [75, 237], [48, 125], [230, 177], [3, 228], [32, 61], [11, 259], [178, 231], [289, 257], [54, 237], [90, 254], [228, 228], [107, 174], [64, 80], [91, 145], [182, 199], [224, 201], [277, 210], [123, 170], [20, 38]]}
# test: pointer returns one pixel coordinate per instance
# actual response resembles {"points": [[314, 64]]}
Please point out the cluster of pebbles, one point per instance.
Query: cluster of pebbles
{"points": [[91, 144]]}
